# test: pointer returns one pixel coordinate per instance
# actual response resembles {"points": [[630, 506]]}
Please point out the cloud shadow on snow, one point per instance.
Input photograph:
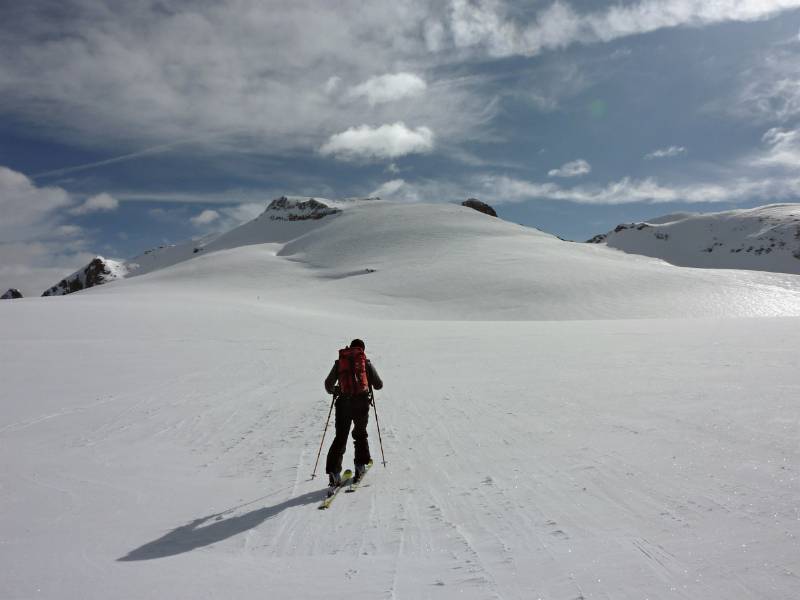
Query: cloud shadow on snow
{"points": [[196, 534]]}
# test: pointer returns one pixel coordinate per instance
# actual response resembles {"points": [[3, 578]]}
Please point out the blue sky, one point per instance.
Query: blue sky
{"points": [[128, 125]]}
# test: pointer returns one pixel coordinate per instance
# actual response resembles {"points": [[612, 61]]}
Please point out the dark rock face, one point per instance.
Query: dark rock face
{"points": [[284, 209], [479, 206], [598, 239], [11, 294], [95, 273], [602, 237]]}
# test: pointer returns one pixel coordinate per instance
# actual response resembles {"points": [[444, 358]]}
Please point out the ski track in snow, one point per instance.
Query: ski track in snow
{"points": [[489, 493]]}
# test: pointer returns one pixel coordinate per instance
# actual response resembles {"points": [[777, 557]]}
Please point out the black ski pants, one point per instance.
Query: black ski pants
{"points": [[355, 410]]}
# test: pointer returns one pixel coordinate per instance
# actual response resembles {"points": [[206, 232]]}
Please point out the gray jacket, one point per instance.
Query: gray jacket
{"points": [[372, 376]]}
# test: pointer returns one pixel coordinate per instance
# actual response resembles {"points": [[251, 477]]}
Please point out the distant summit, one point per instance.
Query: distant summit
{"points": [[99, 271], [298, 209], [766, 238], [11, 294], [479, 206]]}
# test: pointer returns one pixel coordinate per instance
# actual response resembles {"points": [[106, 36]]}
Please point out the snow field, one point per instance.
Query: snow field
{"points": [[561, 420], [170, 455]]}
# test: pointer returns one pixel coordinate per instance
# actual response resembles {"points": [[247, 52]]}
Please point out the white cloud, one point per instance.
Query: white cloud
{"points": [[425, 190], [27, 211], [223, 218], [205, 218], [628, 191], [395, 189], [389, 87], [384, 142], [485, 23], [783, 148], [669, 152], [235, 215], [242, 213], [231, 74], [769, 87], [33, 267], [261, 76], [37, 248], [575, 168], [99, 203]]}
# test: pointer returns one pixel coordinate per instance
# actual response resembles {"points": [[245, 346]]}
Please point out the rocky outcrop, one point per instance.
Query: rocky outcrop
{"points": [[602, 237], [598, 239], [97, 272], [476, 204], [288, 209], [11, 294]]}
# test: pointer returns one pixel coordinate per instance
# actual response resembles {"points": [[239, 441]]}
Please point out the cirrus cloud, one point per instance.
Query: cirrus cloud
{"points": [[668, 152], [782, 148], [384, 142], [485, 23], [630, 190]]}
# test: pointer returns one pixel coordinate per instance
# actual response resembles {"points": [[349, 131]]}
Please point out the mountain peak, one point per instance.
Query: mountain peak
{"points": [[765, 238], [99, 271], [11, 294], [299, 209]]}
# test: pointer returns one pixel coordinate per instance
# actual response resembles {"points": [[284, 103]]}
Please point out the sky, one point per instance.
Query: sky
{"points": [[125, 126]]}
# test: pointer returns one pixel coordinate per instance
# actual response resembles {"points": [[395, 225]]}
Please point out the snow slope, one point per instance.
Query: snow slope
{"points": [[411, 261], [158, 434], [283, 219], [766, 238]]}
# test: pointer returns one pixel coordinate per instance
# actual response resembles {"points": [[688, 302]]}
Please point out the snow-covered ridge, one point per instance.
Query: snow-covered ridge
{"points": [[283, 219], [99, 271], [442, 261], [766, 238]]}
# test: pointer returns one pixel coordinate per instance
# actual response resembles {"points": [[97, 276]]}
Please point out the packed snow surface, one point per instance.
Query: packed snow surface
{"points": [[766, 238], [560, 421]]}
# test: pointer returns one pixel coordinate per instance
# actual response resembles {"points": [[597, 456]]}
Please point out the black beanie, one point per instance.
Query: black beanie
{"points": [[358, 343]]}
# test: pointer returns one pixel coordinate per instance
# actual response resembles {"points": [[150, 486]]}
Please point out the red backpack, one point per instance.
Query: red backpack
{"points": [[353, 371]]}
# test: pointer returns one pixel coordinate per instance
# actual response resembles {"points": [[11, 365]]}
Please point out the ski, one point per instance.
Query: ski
{"points": [[347, 478], [355, 483]]}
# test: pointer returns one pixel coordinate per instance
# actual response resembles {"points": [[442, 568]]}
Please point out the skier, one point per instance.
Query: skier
{"points": [[356, 375]]}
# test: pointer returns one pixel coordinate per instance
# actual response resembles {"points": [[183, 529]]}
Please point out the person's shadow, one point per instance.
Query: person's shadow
{"points": [[197, 534]]}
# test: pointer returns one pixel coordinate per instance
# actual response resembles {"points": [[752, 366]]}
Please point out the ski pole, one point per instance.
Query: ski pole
{"points": [[377, 424], [324, 431]]}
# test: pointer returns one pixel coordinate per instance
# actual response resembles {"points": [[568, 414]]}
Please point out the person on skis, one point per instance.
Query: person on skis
{"points": [[356, 376]]}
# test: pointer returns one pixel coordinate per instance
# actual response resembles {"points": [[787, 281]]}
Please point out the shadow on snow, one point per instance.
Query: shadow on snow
{"points": [[198, 534]]}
